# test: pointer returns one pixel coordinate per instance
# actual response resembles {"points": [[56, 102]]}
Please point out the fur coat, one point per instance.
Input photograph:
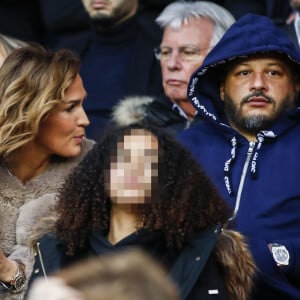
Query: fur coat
{"points": [[22, 205]]}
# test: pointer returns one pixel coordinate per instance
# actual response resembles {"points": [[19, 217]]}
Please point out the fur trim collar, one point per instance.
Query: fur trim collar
{"points": [[130, 110], [237, 262]]}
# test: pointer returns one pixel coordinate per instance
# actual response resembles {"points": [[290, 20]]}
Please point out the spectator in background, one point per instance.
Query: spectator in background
{"points": [[247, 91], [138, 187], [292, 28], [22, 20], [7, 45], [66, 23], [190, 30], [126, 275], [42, 129], [117, 58], [277, 10]]}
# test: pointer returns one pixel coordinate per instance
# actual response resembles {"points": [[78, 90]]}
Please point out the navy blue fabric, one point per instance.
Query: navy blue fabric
{"points": [[195, 277], [290, 30], [161, 113], [270, 202], [187, 269], [116, 62]]}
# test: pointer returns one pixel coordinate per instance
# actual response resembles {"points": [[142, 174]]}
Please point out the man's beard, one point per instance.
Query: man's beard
{"points": [[252, 123], [104, 21], [108, 21]]}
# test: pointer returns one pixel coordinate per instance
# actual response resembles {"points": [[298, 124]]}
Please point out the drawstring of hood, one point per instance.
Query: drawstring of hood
{"points": [[260, 138], [227, 167], [229, 162]]}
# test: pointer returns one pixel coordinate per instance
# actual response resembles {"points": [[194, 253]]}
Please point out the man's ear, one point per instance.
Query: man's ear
{"points": [[222, 91]]}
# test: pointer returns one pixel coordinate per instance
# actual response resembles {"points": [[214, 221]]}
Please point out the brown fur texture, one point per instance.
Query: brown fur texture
{"points": [[21, 207], [239, 269]]}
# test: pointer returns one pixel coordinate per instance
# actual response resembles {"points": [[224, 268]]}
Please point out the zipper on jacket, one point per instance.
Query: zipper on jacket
{"points": [[41, 260], [187, 124], [242, 181]]}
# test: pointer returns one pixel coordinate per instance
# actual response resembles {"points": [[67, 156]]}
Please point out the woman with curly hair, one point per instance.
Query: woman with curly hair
{"points": [[139, 187], [42, 137]]}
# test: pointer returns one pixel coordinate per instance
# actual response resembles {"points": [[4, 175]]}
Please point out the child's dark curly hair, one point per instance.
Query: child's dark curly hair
{"points": [[184, 203]]}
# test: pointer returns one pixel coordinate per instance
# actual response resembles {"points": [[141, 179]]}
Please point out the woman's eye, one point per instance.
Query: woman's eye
{"points": [[70, 108]]}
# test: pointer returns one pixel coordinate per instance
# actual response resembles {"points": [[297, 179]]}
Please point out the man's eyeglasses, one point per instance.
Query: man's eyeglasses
{"points": [[186, 53]]}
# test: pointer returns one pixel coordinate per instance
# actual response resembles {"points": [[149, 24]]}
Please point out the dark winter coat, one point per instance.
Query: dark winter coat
{"points": [[201, 272]]}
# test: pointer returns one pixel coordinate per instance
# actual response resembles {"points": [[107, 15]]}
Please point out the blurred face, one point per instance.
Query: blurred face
{"points": [[110, 12], [256, 92], [176, 70], [61, 132], [133, 169]]}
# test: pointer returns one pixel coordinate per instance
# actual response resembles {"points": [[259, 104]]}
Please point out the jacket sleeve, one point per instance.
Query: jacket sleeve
{"points": [[292, 271], [49, 257], [29, 215], [284, 279]]}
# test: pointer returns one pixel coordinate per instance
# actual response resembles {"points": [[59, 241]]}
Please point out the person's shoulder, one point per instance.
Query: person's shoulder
{"points": [[49, 238], [161, 113], [192, 132], [149, 28], [161, 101], [49, 246], [49, 255]]}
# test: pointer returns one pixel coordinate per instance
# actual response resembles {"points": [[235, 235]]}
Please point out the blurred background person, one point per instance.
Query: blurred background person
{"points": [[292, 28], [277, 10], [190, 30], [22, 20], [117, 58]]}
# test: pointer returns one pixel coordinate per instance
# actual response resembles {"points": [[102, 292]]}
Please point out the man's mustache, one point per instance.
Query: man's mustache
{"points": [[247, 98]]}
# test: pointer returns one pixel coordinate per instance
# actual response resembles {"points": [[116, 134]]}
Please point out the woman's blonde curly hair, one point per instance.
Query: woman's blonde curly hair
{"points": [[33, 82]]}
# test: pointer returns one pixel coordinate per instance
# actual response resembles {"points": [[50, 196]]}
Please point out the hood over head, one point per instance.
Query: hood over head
{"points": [[249, 36]]}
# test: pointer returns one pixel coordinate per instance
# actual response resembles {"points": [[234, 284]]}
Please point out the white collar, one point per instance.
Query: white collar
{"points": [[180, 110]]}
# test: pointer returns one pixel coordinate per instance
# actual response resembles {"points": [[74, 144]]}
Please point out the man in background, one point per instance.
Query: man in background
{"points": [[190, 31], [117, 58]]}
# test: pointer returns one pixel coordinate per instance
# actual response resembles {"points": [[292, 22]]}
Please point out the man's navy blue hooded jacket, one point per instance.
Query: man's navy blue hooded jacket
{"points": [[261, 180]]}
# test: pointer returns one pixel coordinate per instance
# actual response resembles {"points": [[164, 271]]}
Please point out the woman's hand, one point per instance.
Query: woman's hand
{"points": [[8, 268]]}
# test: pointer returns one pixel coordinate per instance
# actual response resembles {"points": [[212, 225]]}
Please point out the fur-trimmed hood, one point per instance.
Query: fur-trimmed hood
{"points": [[233, 254], [159, 112], [130, 110]]}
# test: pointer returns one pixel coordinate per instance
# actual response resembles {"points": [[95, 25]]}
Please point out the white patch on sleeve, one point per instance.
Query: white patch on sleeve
{"points": [[213, 292]]}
